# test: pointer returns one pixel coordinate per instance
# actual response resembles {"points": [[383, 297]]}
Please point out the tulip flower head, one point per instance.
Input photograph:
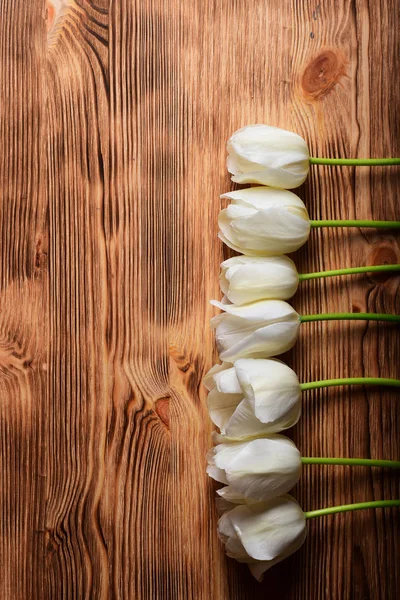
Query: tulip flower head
{"points": [[263, 221], [258, 330], [246, 279], [264, 534], [269, 156], [253, 397], [257, 469]]}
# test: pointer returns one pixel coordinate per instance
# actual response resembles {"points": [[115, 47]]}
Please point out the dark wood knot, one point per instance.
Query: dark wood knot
{"points": [[323, 73], [162, 410], [383, 255]]}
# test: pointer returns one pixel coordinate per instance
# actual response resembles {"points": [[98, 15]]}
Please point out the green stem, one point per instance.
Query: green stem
{"points": [[313, 385], [349, 271], [355, 162], [349, 317], [355, 223], [356, 462], [311, 514]]}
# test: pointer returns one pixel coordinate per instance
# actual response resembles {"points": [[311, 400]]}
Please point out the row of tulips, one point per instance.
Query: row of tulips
{"points": [[253, 397]]}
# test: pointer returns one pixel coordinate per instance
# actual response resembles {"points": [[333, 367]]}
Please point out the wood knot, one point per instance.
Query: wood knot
{"points": [[323, 73], [162, 410], [383, 255]]}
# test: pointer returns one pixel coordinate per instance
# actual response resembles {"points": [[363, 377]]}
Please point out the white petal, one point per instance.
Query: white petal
{"points": [[260, 329], [272, 231], [260, 469], [264, 221], [225, 528], [272, 388], [268, 155], [227, 382], [209, 380], [260, 312], [243, 423], [221, 407], [271, 340], [231, 495], [217, 474], [271, 530], [233, 546], [258, 278], [262, 197], [287, 177]]}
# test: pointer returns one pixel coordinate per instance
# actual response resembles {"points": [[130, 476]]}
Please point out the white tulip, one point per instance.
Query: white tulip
{"points": [[263, 534], [264, 221], [247, 279], [254, 397], [258, 330], [257, 469], [268, 155]]}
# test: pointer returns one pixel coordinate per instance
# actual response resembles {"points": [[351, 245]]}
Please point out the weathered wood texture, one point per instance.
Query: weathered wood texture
{"points": [[113, 123]]}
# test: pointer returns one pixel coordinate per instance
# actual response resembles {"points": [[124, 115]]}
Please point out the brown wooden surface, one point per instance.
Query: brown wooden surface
{"points": [[113, 126]]}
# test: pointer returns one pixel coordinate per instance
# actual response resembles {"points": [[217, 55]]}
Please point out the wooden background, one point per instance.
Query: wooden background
{"points": [[113, 123]]}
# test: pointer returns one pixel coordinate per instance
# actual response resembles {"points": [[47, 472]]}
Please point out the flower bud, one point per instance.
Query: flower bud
{"points": [[258, 469], [258, 330], [264, 221], [254, 397], [247, 279], [263, 534], [268, 155]]}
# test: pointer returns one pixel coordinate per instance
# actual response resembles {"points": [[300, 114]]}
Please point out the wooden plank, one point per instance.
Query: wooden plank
{"points": [[112, 134], [23, 301]]}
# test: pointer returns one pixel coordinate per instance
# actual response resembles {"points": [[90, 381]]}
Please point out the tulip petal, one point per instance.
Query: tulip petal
{"points": [[268, 155], [272, 388], [264, 221], [271, 340], [273, 231], [217, 474], [261, 197], [231, 495], [209, 378], [227, 382], [249, 330], [260, 469], [258, 312], [221, 407], [243, 423], [267, 532], [257, 278]]}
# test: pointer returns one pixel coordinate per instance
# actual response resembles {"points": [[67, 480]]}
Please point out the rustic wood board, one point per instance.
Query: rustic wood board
{"points": [[114, 118]]}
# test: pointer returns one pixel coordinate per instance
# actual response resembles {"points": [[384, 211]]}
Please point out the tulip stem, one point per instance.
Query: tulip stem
{"points": [[356, 223], [356, 462], [311, 514], [355, 162], [350, 317], [349, 271], [313, 385]]}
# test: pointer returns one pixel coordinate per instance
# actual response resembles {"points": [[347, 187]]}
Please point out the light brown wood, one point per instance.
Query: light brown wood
{"points": [[113, 123]]}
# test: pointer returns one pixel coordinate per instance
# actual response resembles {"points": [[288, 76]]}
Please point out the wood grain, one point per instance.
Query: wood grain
{"points": [[113, 121]]}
